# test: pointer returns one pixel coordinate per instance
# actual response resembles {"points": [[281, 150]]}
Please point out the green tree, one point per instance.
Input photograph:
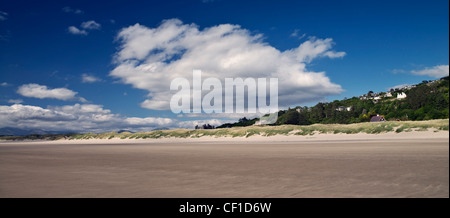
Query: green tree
{"points": [[317, 113], [418, 96], [292, 117], [303, 119]]}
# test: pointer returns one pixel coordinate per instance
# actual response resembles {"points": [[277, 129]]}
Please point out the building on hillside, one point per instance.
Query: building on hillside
{"points": [[342, 108], [409, 87], [401, 95], [377, 118], [388, 95]]}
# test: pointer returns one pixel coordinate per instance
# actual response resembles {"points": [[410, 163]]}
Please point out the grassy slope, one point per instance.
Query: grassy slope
{"points": [[370, 128]]}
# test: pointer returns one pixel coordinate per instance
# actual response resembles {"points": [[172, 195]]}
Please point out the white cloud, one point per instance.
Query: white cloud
{"points": [[76, 31], [3, 16], [69, 118], [150, 58], [296, 34], [136, 121], [84, 118], [15, 101], [33, 90], [86, 78], [85, 26], [436, 72], [20, 115], [72, 10], [90, 25], [331, 54], [4, 84]]}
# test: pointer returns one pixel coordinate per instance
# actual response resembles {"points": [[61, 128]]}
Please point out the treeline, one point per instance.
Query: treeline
{"points": [[427, 100], [242, 122]]}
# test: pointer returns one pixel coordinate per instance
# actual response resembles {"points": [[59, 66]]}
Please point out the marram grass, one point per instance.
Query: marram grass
{"points": [[369, 128]]}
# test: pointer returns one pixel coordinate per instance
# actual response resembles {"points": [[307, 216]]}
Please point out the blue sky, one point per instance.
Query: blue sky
{"points": [[55, 44]]}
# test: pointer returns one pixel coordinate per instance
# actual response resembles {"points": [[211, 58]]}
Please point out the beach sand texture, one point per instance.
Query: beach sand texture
{"points": [[386, 165]]}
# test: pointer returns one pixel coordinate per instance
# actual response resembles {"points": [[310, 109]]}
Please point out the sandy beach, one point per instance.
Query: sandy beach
{"points": [[412, 164]]}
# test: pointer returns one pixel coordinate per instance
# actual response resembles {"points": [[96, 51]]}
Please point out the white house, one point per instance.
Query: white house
{"points": [[401, 95], [342, 108], [388, 95]]}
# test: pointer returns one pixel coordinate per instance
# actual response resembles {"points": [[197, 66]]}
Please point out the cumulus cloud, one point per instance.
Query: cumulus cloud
{"points": [[90, 25], [72, 10], [19, 115], [70, 118], [84, 118], [4, 84], [86, 78], [436, 72], [150, 58], [76, 31], [3, 16], [33, 90]]}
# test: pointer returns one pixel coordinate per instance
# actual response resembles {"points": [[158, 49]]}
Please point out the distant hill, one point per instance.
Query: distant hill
{"points": [[124, 130], [9, 131], [160, 128], [424, 101]]}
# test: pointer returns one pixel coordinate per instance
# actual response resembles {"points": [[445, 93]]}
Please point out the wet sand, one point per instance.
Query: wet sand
{"points": [[316, 168]]}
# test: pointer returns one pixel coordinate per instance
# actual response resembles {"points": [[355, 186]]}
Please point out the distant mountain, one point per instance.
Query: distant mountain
{"points": [[161, 128], [10, 131], [124, 130]]}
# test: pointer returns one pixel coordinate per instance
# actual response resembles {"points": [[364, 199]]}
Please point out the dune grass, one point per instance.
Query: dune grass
{"points": [[369, 128]]}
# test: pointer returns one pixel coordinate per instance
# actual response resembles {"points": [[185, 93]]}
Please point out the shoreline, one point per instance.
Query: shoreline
{"points": [[318, 137], [315, 132]]}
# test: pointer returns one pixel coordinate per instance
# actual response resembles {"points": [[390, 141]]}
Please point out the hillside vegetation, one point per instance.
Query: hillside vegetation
{"points": [[425, 101]]}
